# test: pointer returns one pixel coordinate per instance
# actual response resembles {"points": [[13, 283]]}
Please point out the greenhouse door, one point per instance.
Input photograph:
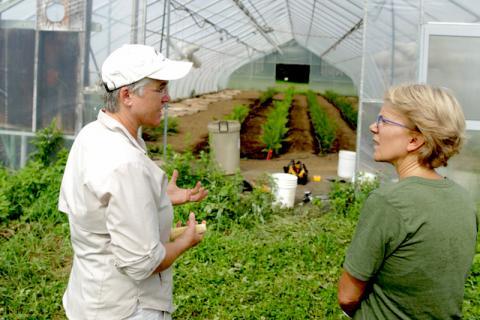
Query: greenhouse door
{"points": [[449, 57]]}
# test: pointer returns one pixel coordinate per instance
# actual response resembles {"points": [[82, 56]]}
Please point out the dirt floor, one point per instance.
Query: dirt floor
{"points": [[301, 143], [193, 126], [301, 136]]}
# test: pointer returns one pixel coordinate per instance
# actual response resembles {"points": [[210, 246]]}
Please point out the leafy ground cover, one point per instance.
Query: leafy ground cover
{"points": [[35, 260], [286, 269]]}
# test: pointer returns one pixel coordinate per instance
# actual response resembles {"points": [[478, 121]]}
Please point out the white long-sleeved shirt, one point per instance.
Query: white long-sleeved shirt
{"points": [[120, 216]]}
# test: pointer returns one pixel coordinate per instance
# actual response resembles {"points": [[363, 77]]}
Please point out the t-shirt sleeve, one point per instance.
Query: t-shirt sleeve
{"points": [[380, 230]]}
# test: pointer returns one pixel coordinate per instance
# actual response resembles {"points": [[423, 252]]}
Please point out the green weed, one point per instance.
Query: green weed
{"points": [[35, 260], [32, 192], [225, 193], [155, 133], [239, 113], [287, 269]]}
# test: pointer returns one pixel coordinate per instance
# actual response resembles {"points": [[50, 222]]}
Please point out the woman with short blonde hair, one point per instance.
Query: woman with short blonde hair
{"points": [[415, 239], [436, 113]]}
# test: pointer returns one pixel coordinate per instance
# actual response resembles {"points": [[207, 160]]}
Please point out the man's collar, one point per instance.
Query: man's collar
{"points": [[115, 125]]}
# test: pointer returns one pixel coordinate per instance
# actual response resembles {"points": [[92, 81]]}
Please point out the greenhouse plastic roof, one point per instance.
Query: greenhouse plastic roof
{"points": [[219, 36]]}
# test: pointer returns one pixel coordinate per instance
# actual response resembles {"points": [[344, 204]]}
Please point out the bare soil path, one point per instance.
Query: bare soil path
{"points": [[251, 147], [301, 136], [193, 127]]}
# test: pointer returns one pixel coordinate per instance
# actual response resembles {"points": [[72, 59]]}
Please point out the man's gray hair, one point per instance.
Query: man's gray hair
{"points": [[111, 98]]}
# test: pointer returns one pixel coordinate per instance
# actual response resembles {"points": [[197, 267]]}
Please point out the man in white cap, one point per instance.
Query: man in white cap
{"points": [[119, 202]]}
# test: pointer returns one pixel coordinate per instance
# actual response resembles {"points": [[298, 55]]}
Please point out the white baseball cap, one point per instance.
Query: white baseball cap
{"points": [[133, 62]]}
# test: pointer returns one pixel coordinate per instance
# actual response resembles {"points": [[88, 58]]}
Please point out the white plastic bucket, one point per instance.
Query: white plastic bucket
{"points": [[284, 189], [346, 164]]}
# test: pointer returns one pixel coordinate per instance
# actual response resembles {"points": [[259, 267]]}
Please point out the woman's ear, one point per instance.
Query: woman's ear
{"points": [[416, 141], [124, 96]]}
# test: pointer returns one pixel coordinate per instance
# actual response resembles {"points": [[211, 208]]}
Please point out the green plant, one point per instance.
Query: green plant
{"points": [[275, 127], [346, 199], [256, 274], [32, 191], [343, 104], [234, 273], [325, 129], [47, 142], [4, 202], [267, 95], [239, 113], [221, 207], [155, 133], [35, 260]]}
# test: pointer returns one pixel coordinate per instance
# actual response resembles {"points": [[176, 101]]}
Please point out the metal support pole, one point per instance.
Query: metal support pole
{"points": [[35, 80], [109, 28], [275, 69], [143, 30], [23, 151], [134, 23], [392, 54], [88, 28], [361, 94], [421, 23], [259, 28], [168, 28], [5, 93], [165, 109], [12, 154], [84, 76]]}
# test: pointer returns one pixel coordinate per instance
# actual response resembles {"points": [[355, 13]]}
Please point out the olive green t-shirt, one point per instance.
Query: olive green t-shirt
{"points": [[414, 242]]}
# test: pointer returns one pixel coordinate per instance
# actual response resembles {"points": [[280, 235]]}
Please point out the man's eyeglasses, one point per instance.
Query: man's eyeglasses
{"points": [[382, 119], [163, 90]]}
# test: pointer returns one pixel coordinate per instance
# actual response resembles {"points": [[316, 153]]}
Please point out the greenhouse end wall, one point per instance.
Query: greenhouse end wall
{"points": [[261, 73]]}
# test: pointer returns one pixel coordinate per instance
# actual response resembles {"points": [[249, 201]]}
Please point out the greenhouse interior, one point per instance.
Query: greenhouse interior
{"points": [[52, 52], [263, 160]]}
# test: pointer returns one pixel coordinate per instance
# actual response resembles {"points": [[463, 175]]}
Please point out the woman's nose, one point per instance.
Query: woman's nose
{"points": [[373, 128], [165, 98]]}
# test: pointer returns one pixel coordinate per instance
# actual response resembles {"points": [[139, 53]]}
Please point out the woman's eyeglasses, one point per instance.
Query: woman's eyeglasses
{"points": [[382, 119]]}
